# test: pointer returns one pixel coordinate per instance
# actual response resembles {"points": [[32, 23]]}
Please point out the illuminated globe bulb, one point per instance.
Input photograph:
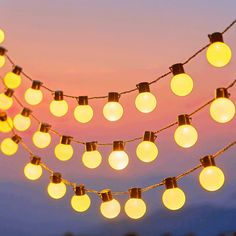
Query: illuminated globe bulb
{"points": [[83, 112], [2, 35], [2, 56], [42, 138], [56, 189], [113, 110], [173, 197], [211, 177], [80, 202], [12, 79], [91, 157], [22, 121], [118, 159], [6, 124], [218, 53], [58, 107], [9, 146], [222, 109], [64, 151], [110, 208], [147, 150], [145, 101], [135, 207], [34, 95], [6, 100], [33, 170], [185, 135]]}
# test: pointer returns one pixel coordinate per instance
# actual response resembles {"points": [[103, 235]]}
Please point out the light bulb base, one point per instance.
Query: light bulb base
{"points": [[2, 51], [56, 178], [36, 84], [170, 182], [113, 97], [221, 93], [90, 146], [82, 100], [3, 116], [207, 161], [216, 37], [66, 140], [35, 160], [17, 70], [26, 112], [9, 92], [177, 69], [143, 87], [44, 127], [184, 119], [118, 146], [149, 136], [16, 138], [106, 195], [135, 193], [79, 190], [58, 95]]}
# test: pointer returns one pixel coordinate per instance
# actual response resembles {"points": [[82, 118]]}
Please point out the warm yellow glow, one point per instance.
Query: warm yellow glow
{"points": [[41, 140], [12, 80], [80, 203], [59, 108], [147, 151], [9, 147], [56, 190], [83, 113], [222, 110], [92, 159], [2, 60], [110, 209], [2, 35], [218, 54], [181, 84], [135, 208], [5, 101], [118, 160], [186, 136], [21, 123], [145, 102], [211, 178], [6, 126], [64, 152], [173, 198], [33, 96], [33, 172], [113, 111]]}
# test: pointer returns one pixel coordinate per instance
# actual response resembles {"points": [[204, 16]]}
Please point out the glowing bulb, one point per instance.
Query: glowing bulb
{"points": [[12, 79], [211, 177], [33, 170], [145, 101], [58, 106], [2, 56], [91, 157], [22, 121], [173, 197], [9, 146], [185, 135], [64, 151], [34, 95], [118, 159], [110, 208], [147, 150], [6, 124], [113, 110], [181, 83], [56, 189], [135, 207], [2, 35], [42, 138], [218, 53], [6, 100], [222, 109], [80, 202]]}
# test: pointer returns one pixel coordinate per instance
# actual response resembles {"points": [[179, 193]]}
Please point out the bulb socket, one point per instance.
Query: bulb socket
{"points": [[113, 97], [44, 127], [221, 93], [26, 112], [35, 160], [3, 116], [118, 146], [16, 138], [58, 95], [143, 87], [2, 51], [9, 92], [91, 146], [149, 136], [79, 190], [36, 84], [135, 193], [82, 100], [66, 140], [17, 70], [216, 37], [170, 182], [177, 69], [106, 195], [56, 178], [184, 119], [207, 161]]}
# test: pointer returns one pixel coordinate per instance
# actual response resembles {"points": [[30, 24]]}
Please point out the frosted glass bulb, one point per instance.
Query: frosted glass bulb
{"points": [[33, 96], [2, 35], [110, 209], [135, 208], [113, 111], [92, 159], [59, 108], [145, 102], [56, 190], [181, 84], [147, 151], [12, 80], [83, 113], [6, 126], [5, 101], [118, 160], [80, 203], [21, 123], [64, 152], [33, 172], [41, 139], [9, 147], [2, 60]]}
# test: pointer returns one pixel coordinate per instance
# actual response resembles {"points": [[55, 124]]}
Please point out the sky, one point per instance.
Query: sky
{"points": [[95, 47]]}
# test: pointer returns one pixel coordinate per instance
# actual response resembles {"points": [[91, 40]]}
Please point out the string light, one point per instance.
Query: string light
{"points": [[83, 112], [222, 109], [9, 146], [2, 56], [12, 79], [33, 170], [58, 106], [42, 138], [6, 100], [22, 121], [218, 53], [2, 35], [6, 124], [64, 151], [34, 95]]}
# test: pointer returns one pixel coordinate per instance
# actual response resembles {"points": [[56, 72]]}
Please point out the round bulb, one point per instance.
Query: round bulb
{"points": [[59, 108], [5, 102], [211, 178], [92, 159], [41, 140], [6, 126], [9, 147], [12, 80], [135, 208], [64, 152], [56, 190], [21, 123], [186, 136], [33, 172], [173, 198], [2, 35], [218, 54], [80, 203], [147, 151], [2, 61], [83, 113], [181, 84], [222, 110], [110, 209], [145, 102], [113, 111], [118, 160], [33, 96]]}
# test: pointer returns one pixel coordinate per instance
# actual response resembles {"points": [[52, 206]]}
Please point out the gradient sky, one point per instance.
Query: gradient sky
{"points": [[91, 48]]}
